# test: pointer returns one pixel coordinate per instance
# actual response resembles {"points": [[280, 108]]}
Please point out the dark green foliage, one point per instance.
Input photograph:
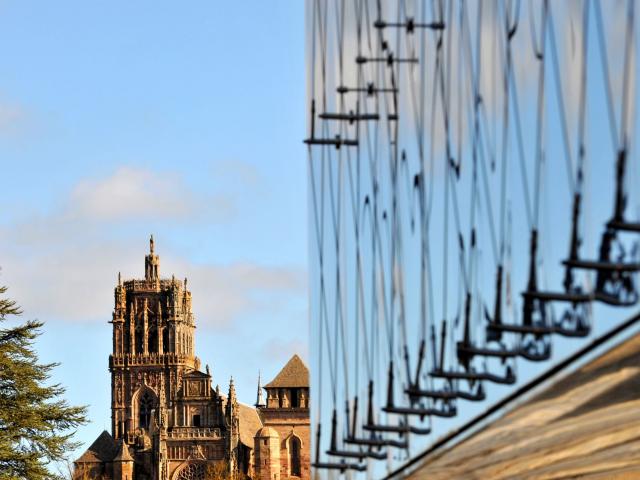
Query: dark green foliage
{"points": [[36, 423]]}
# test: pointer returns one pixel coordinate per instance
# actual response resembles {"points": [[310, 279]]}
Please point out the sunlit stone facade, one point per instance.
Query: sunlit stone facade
{"points": [[168, 421]]}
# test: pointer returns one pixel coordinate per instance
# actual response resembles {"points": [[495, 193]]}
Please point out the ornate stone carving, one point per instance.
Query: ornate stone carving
{"points": [[196, 452], [153, 354], [194, 388], [119, 398]]}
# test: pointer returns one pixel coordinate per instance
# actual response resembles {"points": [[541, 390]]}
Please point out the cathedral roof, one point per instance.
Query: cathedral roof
{"points": [[295, 374], [249, 424], [103, 449]]}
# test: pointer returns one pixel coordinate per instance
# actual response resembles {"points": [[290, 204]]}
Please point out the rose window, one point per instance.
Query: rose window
{"points": [[193, 471]]}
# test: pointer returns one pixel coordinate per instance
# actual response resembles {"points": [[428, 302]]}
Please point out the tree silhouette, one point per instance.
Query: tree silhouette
{"points": [[36, 422]]}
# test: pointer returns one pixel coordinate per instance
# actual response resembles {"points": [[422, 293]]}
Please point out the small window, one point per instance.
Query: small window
{"points": [[294, 452], [294, 398], [265, 441], [196, 421]]}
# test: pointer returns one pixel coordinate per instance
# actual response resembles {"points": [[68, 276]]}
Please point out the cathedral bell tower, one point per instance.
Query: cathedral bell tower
{"points": [[286, 425], [153, 346], [167, 421]]}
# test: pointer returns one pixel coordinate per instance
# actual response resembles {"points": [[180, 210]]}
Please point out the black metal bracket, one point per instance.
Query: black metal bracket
{"points": [[410, 25]]}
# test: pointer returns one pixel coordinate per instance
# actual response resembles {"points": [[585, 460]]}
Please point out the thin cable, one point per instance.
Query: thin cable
{"points": [[561, 106], [607, 78]]}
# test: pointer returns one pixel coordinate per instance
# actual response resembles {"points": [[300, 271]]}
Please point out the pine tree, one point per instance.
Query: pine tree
{"points": [[36, 423]]}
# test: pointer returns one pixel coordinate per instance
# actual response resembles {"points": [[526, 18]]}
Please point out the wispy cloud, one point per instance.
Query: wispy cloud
{"points": [[282, 350], [62, 266], [224, 294], [75, 284], [14, 119], [133, 193]]}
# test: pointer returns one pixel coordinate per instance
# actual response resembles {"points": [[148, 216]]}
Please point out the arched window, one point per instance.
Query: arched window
{"points": [[139, 339], [127, 341], [153, 340], [193, 471], [166, 343], [294, 456], [144, 410]]}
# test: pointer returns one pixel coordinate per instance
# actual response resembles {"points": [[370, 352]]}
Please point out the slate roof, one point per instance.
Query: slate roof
{"points": [[103, 449], [249, 424], [295, 374]]}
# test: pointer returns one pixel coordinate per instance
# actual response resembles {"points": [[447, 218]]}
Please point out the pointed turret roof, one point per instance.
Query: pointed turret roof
{"points": [[232, 401], [123, 454], [259, 397], [295, 374], [232, 391]]}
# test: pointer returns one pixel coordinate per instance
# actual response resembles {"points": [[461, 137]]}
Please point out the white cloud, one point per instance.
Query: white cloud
{"points": [[225, 293], [282, 350], [75, 282], [63, 266], [134, 193]]}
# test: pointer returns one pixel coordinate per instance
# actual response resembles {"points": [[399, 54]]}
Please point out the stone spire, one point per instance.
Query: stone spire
{"points": [[151, 263], [123, 463], [232, 401], [123, 453], [259, 398], [120, 301], [233, 425]]}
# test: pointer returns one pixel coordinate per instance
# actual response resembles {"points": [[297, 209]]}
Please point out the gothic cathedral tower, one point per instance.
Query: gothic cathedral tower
{"points": [[153, 346], [167, 421]]}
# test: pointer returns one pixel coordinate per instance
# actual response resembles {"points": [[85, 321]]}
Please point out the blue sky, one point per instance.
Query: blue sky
{"points": [[185, 120]]}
